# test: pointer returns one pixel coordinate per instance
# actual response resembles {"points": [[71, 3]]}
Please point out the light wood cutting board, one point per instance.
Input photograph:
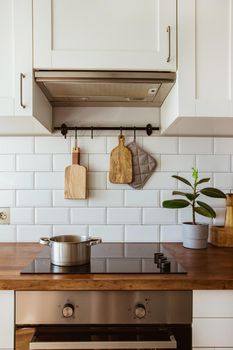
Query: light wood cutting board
{"points": [[121, 169], [75, 178]]}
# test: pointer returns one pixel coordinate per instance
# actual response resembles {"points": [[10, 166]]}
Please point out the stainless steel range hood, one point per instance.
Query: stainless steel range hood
{"points": [[105, 88]]}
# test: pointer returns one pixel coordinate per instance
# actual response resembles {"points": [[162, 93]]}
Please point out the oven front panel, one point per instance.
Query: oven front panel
{"points": [[103, 307], [104, 337]]}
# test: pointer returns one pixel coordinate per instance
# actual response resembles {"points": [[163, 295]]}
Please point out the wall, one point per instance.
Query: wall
{"points": [[31, 183]]}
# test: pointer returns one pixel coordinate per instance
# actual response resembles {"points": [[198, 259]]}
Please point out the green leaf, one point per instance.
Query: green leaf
{"points": [[208, 208], [195, 174], [203, 212], [189, 196], [207, 179], [213, 192], [182, 180], [176, 204], [179, 193]]}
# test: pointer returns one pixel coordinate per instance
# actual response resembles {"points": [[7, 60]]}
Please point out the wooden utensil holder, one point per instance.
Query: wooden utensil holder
{"points": [[222, 236]]}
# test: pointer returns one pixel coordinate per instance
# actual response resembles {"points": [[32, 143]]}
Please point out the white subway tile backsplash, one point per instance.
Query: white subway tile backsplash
{"points": [[33, 198], [49, 180], [99, 162], [16, 180], [159, 216], [22, 216], [13, 145], [32, 185], [124, 216], [89, 145], [80, 230], [223, 180], [171, 233], [33, 233], [61, 161], [96, 180], [52, 144], [167, 195], [160, 181], [141, 233], [52, 216], [213, 163], [161, 145], [7, 162], [108, 233], [177, 162], [60, 201], [8, 233], [7, 198], [35, 162], [142, 198], [106, 198], [223, 145], [195, 145], [88, 216], [111, 186]]}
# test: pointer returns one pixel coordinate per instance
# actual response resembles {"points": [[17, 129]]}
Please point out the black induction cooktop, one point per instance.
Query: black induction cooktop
{"points": [[149, 258]]}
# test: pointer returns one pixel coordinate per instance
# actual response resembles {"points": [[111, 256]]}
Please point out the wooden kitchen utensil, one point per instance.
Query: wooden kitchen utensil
{"points": [[75, 178], [121, 171]]}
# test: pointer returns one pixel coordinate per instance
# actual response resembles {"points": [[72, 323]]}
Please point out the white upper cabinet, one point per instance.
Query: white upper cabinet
{"points": [[103, 34], [201, 102], [23, 107]]}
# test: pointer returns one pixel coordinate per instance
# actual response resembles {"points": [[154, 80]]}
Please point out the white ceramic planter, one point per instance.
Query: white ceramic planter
{"points": [[195, 236]]}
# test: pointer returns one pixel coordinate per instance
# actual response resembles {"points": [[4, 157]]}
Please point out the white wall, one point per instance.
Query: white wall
{"points": [[31, 183]]}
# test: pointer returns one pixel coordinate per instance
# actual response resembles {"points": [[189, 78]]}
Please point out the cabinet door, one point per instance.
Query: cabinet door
{"points": [[6, 319], [6, 59], [214, 57], [22, 12], [117, 34], [15, 57]]}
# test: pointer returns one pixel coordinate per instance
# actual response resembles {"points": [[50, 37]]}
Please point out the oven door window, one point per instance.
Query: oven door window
{"points": [[102, 337]]}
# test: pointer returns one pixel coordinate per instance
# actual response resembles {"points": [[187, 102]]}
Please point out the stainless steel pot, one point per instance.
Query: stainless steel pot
{"points": [[70, 250]]}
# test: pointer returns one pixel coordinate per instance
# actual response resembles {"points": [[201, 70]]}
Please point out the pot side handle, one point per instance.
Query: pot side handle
{"points": [[44, 241], [94, 241]]}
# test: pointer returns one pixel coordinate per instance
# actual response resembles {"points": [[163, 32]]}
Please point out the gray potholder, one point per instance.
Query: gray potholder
{"points": [[143, 165]]}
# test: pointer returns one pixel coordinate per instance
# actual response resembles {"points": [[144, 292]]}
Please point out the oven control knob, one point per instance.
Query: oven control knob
{"points": [[68, 310], [140, 311]]}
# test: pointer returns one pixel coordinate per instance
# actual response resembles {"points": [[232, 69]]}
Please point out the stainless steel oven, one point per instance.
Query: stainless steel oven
{"points": [[103, 320]]}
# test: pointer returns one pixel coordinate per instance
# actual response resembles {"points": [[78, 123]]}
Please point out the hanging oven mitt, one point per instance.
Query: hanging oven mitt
{"points": [[143, 165], [121, 171]]}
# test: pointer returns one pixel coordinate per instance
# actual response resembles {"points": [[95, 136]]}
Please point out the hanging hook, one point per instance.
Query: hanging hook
{"points": [[134, 133], [121, 131], [75, 138], [92, 132], [64, 130]]}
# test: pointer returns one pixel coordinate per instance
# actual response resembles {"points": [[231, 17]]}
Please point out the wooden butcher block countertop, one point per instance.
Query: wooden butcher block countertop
{"points": [[211, 268]]}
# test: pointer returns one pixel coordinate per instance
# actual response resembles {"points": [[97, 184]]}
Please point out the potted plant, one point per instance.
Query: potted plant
{"points": [[195, 235]]}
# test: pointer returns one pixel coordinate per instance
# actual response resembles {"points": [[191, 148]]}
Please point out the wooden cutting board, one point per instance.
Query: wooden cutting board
{"points": [[75, 178], [121, 169]]}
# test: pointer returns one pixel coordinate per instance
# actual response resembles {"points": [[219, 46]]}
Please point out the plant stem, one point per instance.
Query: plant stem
{"points": [[194, 201], [193, 213]]}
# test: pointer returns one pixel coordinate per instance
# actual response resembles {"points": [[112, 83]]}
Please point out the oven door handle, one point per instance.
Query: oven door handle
{"points": [[170, 344]]}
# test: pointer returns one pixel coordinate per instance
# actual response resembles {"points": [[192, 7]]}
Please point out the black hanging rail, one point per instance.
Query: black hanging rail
{"points": [[64, 128]]}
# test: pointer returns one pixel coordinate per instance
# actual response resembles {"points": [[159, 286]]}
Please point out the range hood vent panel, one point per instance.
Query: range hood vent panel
{"points": [[86, 88]]}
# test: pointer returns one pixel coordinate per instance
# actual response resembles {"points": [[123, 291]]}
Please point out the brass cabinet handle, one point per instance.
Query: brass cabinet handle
{"points": [[169, 43], [22, 76]]}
